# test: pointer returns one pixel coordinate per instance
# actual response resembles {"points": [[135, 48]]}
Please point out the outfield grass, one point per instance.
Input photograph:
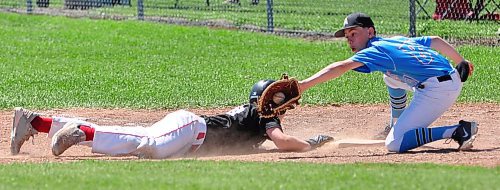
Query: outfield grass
{"points": [[49, 62], [192, 174], [57, 62]]}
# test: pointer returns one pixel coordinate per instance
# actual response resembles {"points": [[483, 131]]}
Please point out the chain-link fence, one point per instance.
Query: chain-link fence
{"points": [[303, 17], [322, 16], [461, 21], [460, 9]]}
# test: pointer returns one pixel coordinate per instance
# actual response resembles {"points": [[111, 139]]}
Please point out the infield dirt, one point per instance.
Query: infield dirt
{"points": [[339, 121]]}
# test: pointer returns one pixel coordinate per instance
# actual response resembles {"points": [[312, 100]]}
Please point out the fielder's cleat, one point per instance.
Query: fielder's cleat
{"points": [[68, 136], [21, 129], [465, 134], [382, 135]]}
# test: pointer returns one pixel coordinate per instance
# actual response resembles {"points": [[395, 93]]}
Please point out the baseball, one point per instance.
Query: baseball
{"points": [[278, 97]]}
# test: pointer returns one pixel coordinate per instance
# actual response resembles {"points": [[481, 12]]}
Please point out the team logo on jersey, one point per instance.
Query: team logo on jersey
{"points": [[423, 56]]}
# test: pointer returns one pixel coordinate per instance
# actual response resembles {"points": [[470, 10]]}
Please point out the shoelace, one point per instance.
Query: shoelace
{"points": [[448, 140], [32, 137], [27, 113]]}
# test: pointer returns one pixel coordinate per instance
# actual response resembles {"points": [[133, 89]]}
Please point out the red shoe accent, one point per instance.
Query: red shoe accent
{"points": [[200, 136], [42, 124], [89, 132]]}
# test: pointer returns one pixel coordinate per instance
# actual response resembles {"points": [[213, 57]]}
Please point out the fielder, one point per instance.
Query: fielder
{"points": [[178, 134], [408, 64]]}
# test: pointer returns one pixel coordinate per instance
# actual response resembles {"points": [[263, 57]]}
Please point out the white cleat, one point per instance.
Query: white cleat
{"points": [[21, 129], [68, 136]]}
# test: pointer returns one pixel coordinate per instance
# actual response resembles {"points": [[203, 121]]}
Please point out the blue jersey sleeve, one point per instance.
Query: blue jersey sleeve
{"points": [[372, 59], [424, 40]]}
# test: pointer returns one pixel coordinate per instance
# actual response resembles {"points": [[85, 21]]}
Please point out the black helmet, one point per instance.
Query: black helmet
{"points": [[258, 88]]}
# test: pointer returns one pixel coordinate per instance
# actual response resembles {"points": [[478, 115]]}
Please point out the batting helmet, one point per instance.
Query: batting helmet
{"points": [[258, 88]]}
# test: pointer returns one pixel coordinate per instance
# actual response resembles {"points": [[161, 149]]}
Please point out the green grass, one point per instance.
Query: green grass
{"points": [[49, 62], [192, 174], [57, 62]]}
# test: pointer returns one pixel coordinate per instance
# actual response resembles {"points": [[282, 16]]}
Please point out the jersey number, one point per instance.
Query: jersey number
{"points": [[422, 56]]}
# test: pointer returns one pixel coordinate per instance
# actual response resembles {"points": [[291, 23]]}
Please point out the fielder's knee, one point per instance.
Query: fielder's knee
{"points": [[393, 146]]}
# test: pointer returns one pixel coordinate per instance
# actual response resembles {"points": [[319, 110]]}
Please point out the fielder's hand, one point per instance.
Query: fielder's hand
{"points": [[465, 69], [318, 140]]}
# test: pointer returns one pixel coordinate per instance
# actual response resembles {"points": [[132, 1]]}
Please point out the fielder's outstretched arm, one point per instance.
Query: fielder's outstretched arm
{"points": [[331, 71]]}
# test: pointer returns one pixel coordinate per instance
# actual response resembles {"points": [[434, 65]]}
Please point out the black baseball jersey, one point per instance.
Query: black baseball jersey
{"points": [[240, 129]]}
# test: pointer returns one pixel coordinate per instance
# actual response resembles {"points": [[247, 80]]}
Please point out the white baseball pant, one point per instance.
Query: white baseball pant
{"points": [[174, 135], [427, 105]]}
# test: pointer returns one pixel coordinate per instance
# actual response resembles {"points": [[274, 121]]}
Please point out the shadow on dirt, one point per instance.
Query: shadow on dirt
{"points": [[449, 150]]}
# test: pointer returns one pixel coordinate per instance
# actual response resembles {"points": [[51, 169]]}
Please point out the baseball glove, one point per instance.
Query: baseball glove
{"points": [[279, 96], [465, 69]]}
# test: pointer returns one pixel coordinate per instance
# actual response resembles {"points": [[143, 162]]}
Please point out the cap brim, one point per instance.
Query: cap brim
{"points": [[340, 33]]}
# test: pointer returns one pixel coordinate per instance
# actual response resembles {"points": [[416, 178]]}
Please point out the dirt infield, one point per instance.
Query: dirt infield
{"points": [[346, 121]]}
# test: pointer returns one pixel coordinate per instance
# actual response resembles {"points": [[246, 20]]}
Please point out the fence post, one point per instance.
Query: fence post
{"points": [[413, 19], [140, 9], [29, 6], [270, 19]]}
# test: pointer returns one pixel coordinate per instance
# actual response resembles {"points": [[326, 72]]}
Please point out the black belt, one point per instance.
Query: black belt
{"points": [[444, 78], [440, 79]]}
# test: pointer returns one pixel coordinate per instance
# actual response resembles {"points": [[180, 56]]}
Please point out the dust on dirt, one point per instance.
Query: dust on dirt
{"points": [[339, 121]]}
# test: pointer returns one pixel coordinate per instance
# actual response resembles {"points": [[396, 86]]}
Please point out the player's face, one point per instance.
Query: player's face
{"points": [[357, 38]]}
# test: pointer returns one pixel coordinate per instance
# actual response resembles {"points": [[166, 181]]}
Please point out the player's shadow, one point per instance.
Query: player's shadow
{"points": [[432, 150], [132, 157], [95, 157], [332, 156]]}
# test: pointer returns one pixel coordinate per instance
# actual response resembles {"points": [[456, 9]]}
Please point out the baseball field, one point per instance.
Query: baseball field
{"points": [[133, 73]]}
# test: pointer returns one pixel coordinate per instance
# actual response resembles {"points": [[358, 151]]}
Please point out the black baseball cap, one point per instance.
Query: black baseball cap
{"points": [[355, 20]]}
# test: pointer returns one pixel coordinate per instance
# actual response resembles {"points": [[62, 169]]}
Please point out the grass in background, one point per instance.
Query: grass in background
{"points": [[49, 62], [192, 174]]}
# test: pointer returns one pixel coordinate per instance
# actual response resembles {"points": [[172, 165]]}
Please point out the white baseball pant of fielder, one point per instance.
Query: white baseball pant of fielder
{"points": [[176, 134], [428, 104]]}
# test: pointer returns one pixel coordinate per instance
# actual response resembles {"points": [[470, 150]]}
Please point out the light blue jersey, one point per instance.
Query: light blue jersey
{"points": [[409, 60]]}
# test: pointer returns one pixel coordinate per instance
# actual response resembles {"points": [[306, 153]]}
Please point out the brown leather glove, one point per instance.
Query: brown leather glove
{"points": [[289, 95]]}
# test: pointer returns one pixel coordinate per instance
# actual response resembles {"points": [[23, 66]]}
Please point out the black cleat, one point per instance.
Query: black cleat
{"points": [[465, 134]]}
